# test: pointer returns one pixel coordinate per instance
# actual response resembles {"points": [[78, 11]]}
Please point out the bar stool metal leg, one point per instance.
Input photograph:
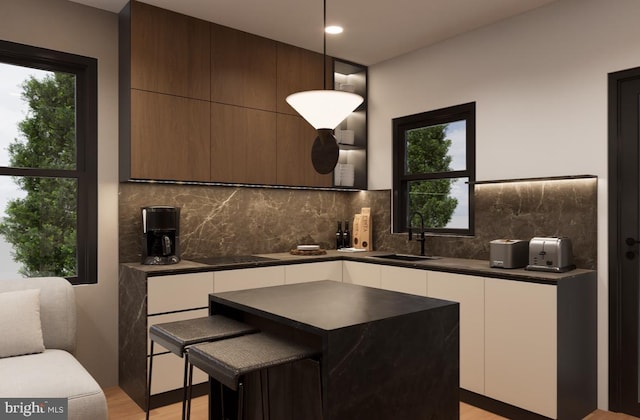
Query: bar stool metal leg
{"points": [[185, 413], [149, 382], [240, 401], [188, 387]]}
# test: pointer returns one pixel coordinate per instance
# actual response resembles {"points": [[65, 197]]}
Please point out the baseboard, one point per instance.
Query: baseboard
{"points": [[498, 407]]}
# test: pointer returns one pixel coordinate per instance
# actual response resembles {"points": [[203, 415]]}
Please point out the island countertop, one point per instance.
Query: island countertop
{"points": [[324, 306]]}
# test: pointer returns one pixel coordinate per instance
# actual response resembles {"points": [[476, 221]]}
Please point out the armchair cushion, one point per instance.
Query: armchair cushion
{"points": [[20, 325], [54, 374]]}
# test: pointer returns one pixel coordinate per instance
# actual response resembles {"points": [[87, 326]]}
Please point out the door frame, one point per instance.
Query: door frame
{"points": [[617, 382]]}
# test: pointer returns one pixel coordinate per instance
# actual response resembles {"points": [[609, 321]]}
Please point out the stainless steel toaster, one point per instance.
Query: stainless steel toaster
{"points": [[508, 253], [553, 254]]}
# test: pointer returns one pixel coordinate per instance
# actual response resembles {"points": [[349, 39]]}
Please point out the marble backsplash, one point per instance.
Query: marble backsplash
{"points": [[233, 220], [240, 221]]}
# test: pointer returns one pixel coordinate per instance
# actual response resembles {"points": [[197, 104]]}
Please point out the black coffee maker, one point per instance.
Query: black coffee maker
{"points": [[160, 235]]}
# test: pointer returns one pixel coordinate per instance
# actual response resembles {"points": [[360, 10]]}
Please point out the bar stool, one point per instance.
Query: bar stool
{"points": [[177, 336], [228, 361]]}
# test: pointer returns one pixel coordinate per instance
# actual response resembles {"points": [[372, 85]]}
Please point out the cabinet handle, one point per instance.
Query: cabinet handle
{"points": [[631, 242]]}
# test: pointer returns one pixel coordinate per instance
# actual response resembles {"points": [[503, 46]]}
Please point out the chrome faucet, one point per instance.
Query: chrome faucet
{"points": [[421, 237]]}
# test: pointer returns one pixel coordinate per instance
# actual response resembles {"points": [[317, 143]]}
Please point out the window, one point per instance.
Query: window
{"points": [[48, 163], [434, 170]]}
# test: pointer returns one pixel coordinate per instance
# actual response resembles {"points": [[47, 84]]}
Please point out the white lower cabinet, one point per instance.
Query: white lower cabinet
{"points": [[178, 292], [469, 292], [521, 345], [248, 278], [174, 298], [363, 274], [509, 343], [302, 273], [406, 280]]}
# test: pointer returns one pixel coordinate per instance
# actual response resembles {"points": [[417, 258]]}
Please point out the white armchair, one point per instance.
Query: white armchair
{"points": [[37, 341]]}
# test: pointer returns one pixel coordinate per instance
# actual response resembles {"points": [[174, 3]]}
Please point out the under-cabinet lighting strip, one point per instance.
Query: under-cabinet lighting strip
{"points": [[223, 184], [548, 178]]}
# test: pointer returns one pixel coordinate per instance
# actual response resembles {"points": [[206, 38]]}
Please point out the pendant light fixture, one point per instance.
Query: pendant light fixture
{"points": [[324, 110]]}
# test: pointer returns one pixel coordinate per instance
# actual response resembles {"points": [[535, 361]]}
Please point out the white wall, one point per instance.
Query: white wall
{"points": [[539, 81], [69, 27]]}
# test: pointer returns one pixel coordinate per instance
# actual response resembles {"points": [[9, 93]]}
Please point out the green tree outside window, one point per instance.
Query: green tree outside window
{"points": [[42, 225], [428, 152], [434, 170]]}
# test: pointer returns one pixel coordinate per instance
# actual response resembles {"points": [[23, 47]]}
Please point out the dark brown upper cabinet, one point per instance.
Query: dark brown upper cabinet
{"points": [[298, 70], [170, 52], [295, 139], [206, 103], [243, 69], [243, 145], [169, 137], [164, 95]]}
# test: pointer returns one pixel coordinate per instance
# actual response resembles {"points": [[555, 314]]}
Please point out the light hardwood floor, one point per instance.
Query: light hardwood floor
{"points": [[121, 407]]}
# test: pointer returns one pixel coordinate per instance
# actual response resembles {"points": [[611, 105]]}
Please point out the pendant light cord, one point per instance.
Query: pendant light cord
{"points": [[324, 44]]}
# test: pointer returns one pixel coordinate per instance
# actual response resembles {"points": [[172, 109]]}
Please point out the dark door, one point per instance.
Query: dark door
{"points": [[624, 235]]}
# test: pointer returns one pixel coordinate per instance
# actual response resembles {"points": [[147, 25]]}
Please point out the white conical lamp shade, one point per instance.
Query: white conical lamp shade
{"points": [[324, 108]]}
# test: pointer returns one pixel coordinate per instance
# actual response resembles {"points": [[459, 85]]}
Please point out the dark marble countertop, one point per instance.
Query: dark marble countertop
{"points": [[442, 264], [322, 306]]}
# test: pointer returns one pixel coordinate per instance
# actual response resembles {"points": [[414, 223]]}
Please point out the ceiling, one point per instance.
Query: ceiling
{"points": [[375, 30]]}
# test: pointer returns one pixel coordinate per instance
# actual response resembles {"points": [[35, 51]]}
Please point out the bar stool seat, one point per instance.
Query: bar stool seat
{"points": [[228, 361], [177, 336]]}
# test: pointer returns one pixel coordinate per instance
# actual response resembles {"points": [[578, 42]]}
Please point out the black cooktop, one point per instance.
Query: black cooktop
{"points": [[230, 259]]}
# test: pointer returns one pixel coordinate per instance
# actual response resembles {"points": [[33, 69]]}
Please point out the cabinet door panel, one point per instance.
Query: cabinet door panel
{"points": [[243, 69], [469, 292], [170, 52], [169, 137], [521, 344], [406, 280], [302, 273], [178, 292], [362, 274], [298, 70], [248, 278], [295, 138], [243, 145]]}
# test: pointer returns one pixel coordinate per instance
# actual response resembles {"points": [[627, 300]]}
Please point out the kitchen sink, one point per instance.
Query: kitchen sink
{"points": [[405, 257]]}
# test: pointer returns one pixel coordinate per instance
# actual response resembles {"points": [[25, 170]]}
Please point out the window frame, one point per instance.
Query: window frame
{"points": [[400, 195], [86, 172]]}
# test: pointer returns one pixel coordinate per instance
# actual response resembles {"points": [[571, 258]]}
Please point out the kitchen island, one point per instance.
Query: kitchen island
{"points": [[383, 354]]}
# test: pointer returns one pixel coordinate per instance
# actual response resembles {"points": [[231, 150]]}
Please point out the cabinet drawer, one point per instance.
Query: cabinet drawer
{"points": [[302, 273], [178, 292], [168, 373], [248, 278], [405, 280], [178, 316]]}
